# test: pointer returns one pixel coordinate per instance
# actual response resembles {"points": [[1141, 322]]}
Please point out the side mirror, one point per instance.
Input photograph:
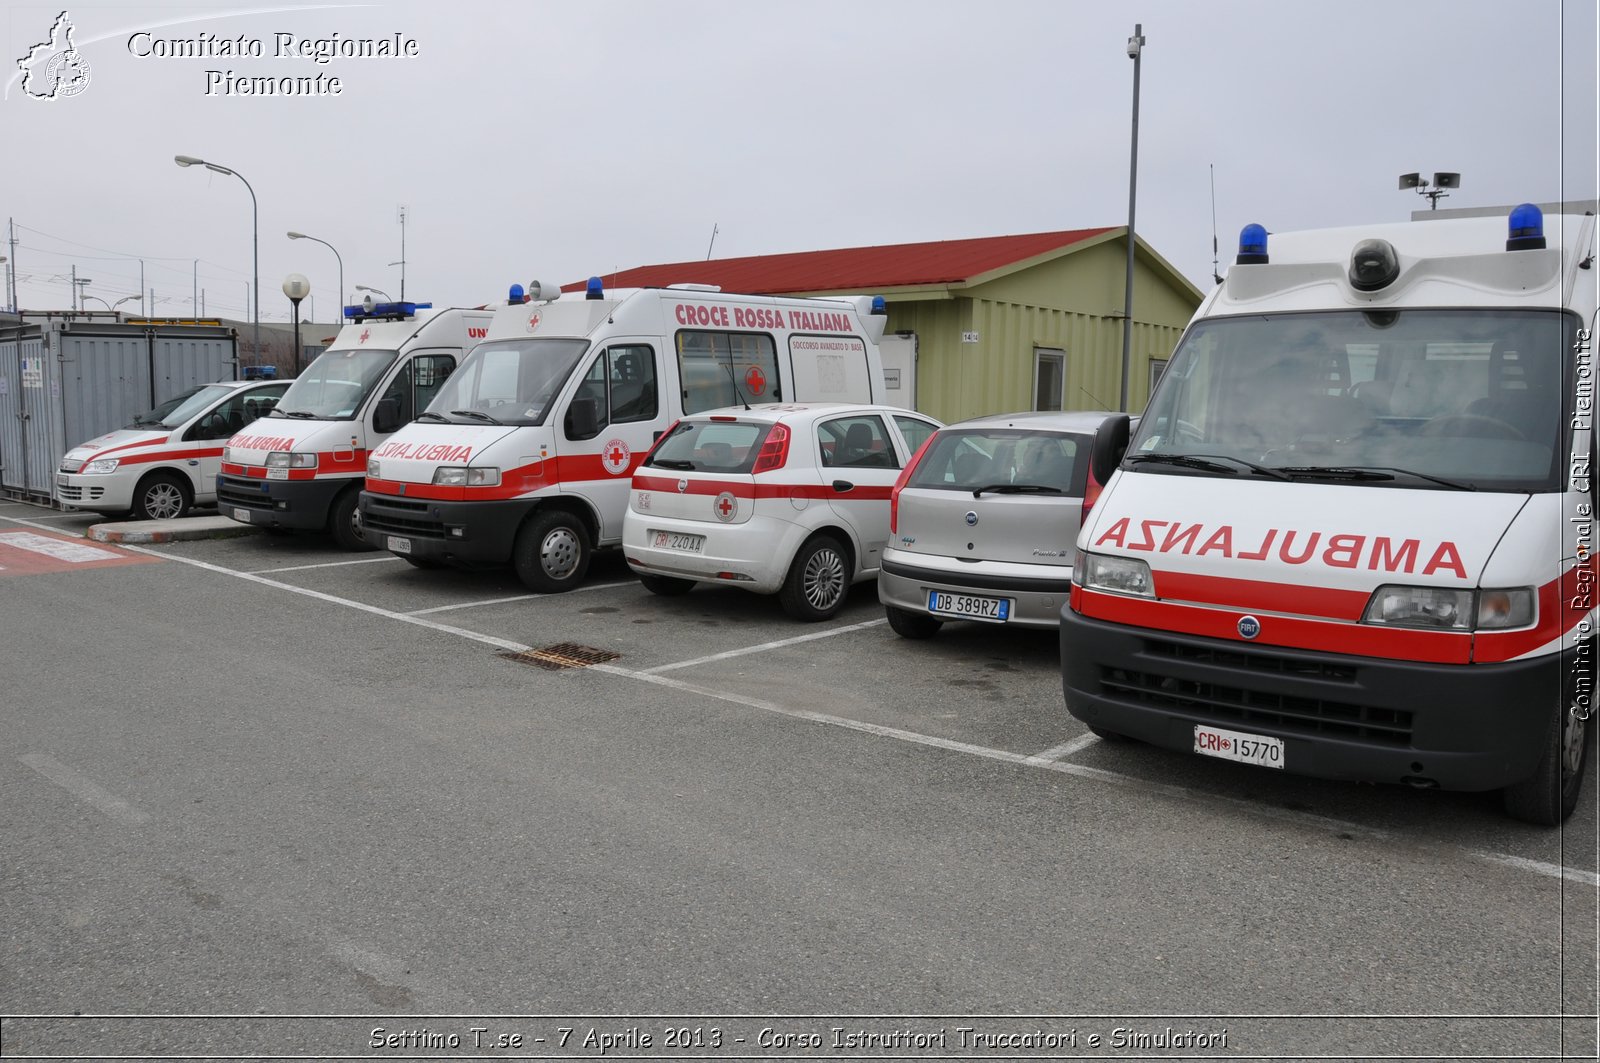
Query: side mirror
{"points": [[583, 419], [386, 416], [1110, 444]]}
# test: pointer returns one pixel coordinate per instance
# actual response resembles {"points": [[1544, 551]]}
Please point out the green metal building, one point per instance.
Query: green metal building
{"points": [[988, 325]]}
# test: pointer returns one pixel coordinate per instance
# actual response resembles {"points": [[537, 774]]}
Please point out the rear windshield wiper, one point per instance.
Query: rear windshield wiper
{"points": [[1373, 472], [673, 463], [1206, 462], [477, 414], [1015, 489]]}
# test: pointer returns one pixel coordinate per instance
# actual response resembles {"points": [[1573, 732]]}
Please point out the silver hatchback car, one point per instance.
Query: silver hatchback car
{"points": [[983, 523]]}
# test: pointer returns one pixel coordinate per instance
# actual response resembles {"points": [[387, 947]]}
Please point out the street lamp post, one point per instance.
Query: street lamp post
{"points": [[1135, 47], [336, 255], [255, 237], [296, 287]]}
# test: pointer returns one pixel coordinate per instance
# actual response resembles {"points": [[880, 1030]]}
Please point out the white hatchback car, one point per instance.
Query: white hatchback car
{"points": [[791, 499]]}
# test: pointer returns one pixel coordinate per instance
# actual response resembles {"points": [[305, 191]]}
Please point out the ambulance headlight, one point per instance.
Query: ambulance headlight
{"points": [[1433, 608], [374, 470], [461, 476], [100, 467], [284, 459], [1499, 609], [1118, 575]]}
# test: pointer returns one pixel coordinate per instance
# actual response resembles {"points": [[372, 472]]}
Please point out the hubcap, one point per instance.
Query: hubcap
{"points": [[558, 554], [824, 579], [163, 501]]}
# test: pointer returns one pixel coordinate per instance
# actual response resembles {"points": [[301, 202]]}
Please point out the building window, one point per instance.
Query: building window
{"points": [[1157, 367], [1049, 378]]}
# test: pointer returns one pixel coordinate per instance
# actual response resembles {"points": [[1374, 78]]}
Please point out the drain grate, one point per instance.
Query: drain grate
{"points": [[562, 655]]}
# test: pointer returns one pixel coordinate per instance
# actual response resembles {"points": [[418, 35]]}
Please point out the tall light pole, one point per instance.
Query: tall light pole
{"points": [[336, 255], [1135, 47], [296, 287], [255, 237]]}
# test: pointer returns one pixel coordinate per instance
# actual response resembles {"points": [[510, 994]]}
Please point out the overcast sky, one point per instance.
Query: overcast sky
{"points": [[558, 140]]}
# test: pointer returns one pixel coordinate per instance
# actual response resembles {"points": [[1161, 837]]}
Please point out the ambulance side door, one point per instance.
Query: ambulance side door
{"points": [[611, 421]]}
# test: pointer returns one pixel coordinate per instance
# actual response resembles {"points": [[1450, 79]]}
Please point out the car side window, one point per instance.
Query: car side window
{"points": [[859, 442], [632, 379], [915, 430]]}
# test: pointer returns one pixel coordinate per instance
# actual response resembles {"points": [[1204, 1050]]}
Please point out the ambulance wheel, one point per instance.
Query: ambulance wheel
{"points": [[1548, 796], [666, 586], [909, 625], [818, 580], [342, 522], [161, 496], [552, 552]]}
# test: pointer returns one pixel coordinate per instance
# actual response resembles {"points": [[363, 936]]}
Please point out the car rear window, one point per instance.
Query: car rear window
{"points": [[964, 459], [710, 446]]}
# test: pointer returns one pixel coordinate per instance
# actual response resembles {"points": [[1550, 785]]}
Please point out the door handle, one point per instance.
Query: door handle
{"points": [[842, 486]]}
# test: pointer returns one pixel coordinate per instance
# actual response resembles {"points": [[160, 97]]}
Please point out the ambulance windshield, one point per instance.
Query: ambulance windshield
{"points": [[1462, 399], [335, 385], [507, 382]]}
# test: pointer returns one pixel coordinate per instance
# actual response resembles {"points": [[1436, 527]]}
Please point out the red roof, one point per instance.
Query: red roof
{"points": [[852, 268]]}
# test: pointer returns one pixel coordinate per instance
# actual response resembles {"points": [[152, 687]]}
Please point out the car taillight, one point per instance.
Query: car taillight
{"points": [[774, 452], [900, 481], [1091, 495]]}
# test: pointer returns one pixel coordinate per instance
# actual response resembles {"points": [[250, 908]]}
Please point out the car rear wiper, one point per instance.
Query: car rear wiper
{"points": [[480, 415], [1207, 462], [673, 463], [1368, 472], [1015, 489]]}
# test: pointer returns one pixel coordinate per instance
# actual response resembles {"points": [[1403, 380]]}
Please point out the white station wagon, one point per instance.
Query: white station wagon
{"points": [[786, 499]]}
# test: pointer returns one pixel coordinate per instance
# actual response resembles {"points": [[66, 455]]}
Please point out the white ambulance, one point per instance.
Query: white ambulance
{"points": [[167, 460], [302, 467], [1353, 535], [527, 454]]}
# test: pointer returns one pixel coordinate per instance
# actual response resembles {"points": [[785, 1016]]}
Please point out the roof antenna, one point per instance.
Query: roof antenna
{"points": [[713, 242], [1214, 274]]}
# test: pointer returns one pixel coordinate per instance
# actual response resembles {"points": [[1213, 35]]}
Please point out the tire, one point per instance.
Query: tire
{"points": [[552, 552], [666, 586], [1548, 796], [342, 522], [426, 563], [162, 496], [818, 581], [909, 625]]}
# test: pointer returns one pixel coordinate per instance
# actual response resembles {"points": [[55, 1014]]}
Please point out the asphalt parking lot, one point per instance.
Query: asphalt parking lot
{"points": [[262, 775]]}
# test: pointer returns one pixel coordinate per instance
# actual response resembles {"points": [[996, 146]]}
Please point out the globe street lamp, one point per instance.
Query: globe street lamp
{"points": [[296, 287], [255, 236], [336, 255]]}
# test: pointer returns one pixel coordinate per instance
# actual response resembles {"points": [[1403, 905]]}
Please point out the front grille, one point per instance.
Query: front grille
{"points": [[71, 464], [241, 493], [1224, 704], [69, 494], [401, 517]]}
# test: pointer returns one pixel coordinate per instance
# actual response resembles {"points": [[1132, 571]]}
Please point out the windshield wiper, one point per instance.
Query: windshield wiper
{"points": [[1015, 489], [673, 463], [1372, 472], [477, 414], [1206, 462], [426, 416], [302, 414]]}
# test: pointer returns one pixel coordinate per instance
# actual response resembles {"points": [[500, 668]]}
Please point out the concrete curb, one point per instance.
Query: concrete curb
{"points": [[169, 531]]}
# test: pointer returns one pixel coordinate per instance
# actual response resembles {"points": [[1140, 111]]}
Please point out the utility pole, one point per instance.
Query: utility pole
{"points": [[402, 252], [11, 268], [1135, 49]]}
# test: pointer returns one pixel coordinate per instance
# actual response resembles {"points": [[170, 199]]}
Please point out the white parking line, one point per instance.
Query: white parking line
{"points": [[83, 789], [658, 669], [518, 598], [325, 564], [1064, 750]]}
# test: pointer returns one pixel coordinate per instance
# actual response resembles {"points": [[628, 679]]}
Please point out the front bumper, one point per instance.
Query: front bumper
{"points": [[463, 533], [299, 504], [1460, 727], [108, 493]]}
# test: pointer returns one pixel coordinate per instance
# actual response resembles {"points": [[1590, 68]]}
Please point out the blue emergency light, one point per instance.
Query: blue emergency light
{"points": [[517, 296], [396, 310], [1252, 245], [1526, 231], [880, 305], [596, 290]]}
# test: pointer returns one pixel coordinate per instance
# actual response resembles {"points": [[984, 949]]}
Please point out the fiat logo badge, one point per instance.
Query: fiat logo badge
{"points": [[972, 517], [1249, 627]]}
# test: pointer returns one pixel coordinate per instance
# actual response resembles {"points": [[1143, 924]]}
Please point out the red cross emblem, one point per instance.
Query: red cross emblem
{"points": [[756, 380], [534, 319], [725, 507], [364, 334], [615, 456]]}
